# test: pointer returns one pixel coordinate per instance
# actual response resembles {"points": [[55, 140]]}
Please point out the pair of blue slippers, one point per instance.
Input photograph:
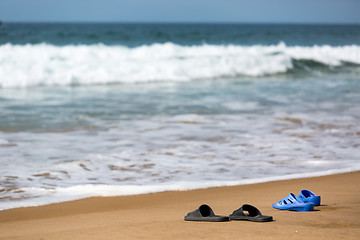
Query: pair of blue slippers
{"points": [[303, 203]]}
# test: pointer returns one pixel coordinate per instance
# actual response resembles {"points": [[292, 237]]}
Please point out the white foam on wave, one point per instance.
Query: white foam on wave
{"points": [[48, 65], [64, 194], [157, 154]]}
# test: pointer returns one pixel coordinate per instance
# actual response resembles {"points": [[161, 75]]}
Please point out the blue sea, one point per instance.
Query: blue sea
{"points": [[119, 109]]}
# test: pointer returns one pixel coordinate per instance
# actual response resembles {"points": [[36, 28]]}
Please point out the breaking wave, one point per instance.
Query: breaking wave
{"points": [[48, 65]]}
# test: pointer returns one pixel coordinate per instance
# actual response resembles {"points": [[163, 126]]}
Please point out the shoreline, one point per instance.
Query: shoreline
{"points": [[161, 215], [141, 190]]}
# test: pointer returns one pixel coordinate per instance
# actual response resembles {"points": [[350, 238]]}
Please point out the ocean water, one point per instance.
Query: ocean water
{"points": [[118, 109]]}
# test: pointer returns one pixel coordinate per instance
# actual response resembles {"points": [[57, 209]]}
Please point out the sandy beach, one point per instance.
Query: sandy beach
{"points": [[161, 215], [90, 109]]}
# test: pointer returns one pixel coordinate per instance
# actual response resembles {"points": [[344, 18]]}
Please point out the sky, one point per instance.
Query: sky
{"points": [[198, 11]]}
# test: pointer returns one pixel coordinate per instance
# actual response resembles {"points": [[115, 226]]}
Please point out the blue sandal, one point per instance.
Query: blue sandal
{"points": [[310, 197], [292, 203]]}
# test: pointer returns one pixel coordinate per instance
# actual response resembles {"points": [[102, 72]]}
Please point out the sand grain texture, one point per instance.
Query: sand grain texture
{"points": [[160, 215]]}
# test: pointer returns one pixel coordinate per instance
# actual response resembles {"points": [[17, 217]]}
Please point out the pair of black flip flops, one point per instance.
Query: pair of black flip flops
{"points": [[246, 212]]}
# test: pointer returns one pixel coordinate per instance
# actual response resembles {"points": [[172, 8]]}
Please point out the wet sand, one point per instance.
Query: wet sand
{"points": [[161, 215]]}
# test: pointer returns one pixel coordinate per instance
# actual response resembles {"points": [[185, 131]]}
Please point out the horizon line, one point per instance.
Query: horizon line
{"points": [[174, 22]]}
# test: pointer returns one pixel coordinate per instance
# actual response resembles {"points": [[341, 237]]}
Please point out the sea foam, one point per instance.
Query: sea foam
{"points": [[64, 194], [49, 65]]}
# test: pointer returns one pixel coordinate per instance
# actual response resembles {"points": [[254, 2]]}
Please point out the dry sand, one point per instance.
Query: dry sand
{"points": [[161, 215]]}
